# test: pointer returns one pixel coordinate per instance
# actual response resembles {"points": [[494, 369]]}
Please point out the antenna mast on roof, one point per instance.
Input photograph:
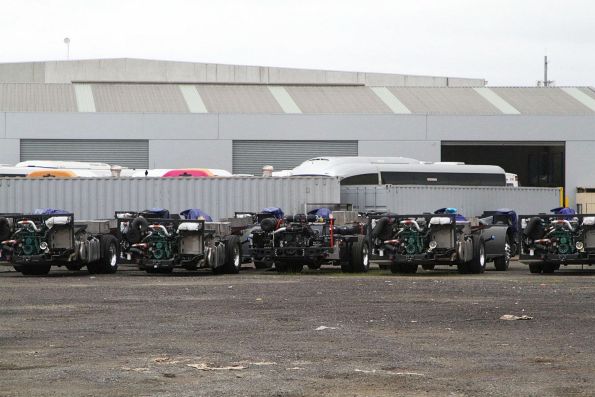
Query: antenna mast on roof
{"points": [[67, 42], [545, 82]]}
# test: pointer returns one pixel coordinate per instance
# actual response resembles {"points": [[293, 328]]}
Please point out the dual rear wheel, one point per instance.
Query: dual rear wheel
{"points": [[109, 254], [358, 258], [230, 253], [477, 264]]}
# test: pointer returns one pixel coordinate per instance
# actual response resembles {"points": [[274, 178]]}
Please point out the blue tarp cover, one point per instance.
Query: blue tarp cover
{"points": [[321, 212], [451, 211], [275, 211], [511, 213], [49, 211], [563, 211], [195, 213], [157, 212]]}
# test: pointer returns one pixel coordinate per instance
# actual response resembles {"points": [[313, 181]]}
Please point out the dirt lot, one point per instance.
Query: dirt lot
{"points": [[259, 333]]}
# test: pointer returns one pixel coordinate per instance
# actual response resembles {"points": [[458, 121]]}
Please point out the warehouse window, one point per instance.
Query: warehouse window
{"points": [[443, 178], [363, 179]]}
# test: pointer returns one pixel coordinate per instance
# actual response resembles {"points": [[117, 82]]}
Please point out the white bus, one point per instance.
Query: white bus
{"points": [[401, 171], [75, 168]]}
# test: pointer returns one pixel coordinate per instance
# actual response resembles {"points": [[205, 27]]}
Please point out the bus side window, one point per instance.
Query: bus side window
{"points": [[363, 179]]}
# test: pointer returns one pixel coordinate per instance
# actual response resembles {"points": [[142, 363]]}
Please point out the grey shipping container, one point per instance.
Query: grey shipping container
{"points": [[97, 198], [469, 200]]}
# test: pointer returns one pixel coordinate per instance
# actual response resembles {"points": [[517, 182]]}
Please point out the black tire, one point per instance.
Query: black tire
{"points": [[268, 224], [4, 229], [35, 270], [477, 265], [296, 267], [233, 255], [192, 266], [548, 268], [408, 268], [428, 267], [93, 268], [74, 267], [281, 267], [534, 229], [535, 268], [314, 265], [403, 268], [360, 258], [347, 267], [136, 229], [379, 228], [502, 262], [513, 239], [262, 264], [110, 253], [383, 266]]}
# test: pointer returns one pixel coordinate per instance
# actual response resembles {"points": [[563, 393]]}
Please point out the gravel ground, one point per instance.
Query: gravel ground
{"points": [[321, 333]]}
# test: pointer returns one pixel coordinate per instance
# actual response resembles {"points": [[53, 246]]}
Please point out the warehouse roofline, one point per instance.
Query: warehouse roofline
{"points": [[293, 99], [134, 70]]}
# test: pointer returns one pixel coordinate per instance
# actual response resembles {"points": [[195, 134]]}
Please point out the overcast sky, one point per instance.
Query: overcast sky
{"points": [[502, 41]]}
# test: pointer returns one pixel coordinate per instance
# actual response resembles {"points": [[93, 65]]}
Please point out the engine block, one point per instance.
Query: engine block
{"points": [[564, 241], [160, 246], [31, 242], [411, 242]]}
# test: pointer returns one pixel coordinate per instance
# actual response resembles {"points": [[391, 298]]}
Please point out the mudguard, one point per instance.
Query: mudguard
{"points": [[495, 239]]}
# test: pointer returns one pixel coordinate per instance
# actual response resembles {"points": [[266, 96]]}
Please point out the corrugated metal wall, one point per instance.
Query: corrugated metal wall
{"points": [[96, 198], [127, 153], [471, 201], [250, 156]]}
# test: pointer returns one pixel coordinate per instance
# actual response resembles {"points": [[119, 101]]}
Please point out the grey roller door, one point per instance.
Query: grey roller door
{"points": [[250, 156], [127, 153]]}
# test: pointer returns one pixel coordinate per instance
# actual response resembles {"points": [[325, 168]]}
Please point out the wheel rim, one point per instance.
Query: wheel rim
{"points": [[210, 256], [507, 250], [113, 255], [365, 256], [482, 257], [236, 257]]}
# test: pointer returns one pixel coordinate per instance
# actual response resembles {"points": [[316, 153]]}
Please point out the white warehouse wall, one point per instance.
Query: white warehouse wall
{"points": [[9, 151], [193, 153], [176, 139], [420, 150], [580, 165]]}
